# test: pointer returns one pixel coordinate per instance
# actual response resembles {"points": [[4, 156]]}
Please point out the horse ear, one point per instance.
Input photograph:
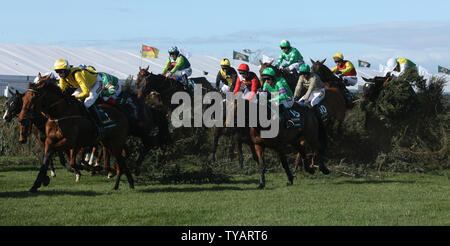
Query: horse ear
{"points": [[39, 76], [323, 61], [147, 67], [140, 68], [312, 61], [17, 92], [260, 62]]}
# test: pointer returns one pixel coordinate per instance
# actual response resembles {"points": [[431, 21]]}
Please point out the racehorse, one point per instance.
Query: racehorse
{"points": [[311, 134], [331, 80], [69, 128], [238, 135], [372, 88], [166, 87], [12, 109]]}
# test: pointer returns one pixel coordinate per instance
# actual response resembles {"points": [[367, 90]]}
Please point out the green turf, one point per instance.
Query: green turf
{"points": [[393, 199]]}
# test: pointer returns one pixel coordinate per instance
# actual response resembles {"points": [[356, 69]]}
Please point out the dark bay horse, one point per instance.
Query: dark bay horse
{"points": [[69, 128], [311, 134], [13, 107], [330, 80], [372, 88], [166, 87]]}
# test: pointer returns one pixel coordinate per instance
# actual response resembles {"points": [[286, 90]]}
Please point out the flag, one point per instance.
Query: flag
{"points": [[443, 70], [240, 56], [363, 63], [149, 52]]}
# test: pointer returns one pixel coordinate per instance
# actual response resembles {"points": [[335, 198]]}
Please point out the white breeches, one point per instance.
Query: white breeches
{"points": [[94, 92], [315, 98], [180, 73], [350, 80]]}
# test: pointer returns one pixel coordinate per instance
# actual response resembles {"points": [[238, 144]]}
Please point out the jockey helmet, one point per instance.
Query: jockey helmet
{"points": [[225, 63], [268, 72], [173, 50], [243, 67], [61, 64], [391, 64], [338, 57], [285, 44], [304, 68]]}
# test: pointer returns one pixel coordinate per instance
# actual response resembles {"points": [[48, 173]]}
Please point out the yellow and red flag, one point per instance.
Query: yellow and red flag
{"points": [[149, 52]]}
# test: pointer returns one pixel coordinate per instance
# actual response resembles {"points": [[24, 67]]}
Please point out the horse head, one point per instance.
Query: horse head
{"points": [[13, 106], [373, 87], [141, 74], [35, 100], [325, 74]]}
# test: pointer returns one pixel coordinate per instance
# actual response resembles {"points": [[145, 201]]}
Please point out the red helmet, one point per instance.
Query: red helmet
{"points": [[243, 67]]}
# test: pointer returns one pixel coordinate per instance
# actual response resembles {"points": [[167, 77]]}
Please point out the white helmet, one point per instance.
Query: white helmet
{"points": [[391, 64]]}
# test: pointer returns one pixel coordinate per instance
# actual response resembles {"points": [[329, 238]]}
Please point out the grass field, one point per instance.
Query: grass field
{"points": [[390, 200]]}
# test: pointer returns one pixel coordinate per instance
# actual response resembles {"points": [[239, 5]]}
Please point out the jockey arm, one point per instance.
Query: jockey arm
{"points": [[166, 68], [299, 87], [282, 88], [237, 87], [83, 86], [312, 85], [254, 89]]}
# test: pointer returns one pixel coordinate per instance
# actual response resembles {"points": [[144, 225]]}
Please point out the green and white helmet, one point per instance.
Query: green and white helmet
{"points": [[173, 50], [304, 68], [285, 44]]}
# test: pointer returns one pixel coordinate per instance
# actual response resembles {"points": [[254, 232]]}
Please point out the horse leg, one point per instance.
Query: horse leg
{"points": [[121, 167], [52, 168], [62, 160], [42, 177], [72, 161], [106, 164], [286, 168], [262, 169]]}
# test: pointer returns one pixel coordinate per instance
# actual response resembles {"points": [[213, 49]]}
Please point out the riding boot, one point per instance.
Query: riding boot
{"points": [[287, 118], [95, 118]]}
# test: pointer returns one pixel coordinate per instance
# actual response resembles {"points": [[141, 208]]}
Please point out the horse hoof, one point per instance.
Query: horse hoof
{"points": [[77, 178], [52, 174], [289, 183], [46, 181], [32, 191], [261, 186]]}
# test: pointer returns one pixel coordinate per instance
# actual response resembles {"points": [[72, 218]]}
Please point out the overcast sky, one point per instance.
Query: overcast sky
{"points": [[368, 30]]}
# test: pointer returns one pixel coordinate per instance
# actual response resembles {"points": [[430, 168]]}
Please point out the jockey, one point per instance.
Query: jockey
{"points": [[177, 65], [111, 88], [88, 82], [345, 69], [315, 89], [291, 55], [397, 66], [279, 92], [227, 75], [247, 83]]}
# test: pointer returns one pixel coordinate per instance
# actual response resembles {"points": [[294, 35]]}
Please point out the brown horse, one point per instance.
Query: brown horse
{"points": [[311, 134], [69, 128], [37, 125], [372, 88], [330, 80]]}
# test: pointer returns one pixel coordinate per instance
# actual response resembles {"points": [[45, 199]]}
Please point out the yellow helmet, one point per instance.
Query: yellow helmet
{"points": [[61, 64], [338, 56], [225, 63]]}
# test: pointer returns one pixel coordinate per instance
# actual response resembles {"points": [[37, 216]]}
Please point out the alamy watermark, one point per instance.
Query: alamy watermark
{"points": [[234, 110]]}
